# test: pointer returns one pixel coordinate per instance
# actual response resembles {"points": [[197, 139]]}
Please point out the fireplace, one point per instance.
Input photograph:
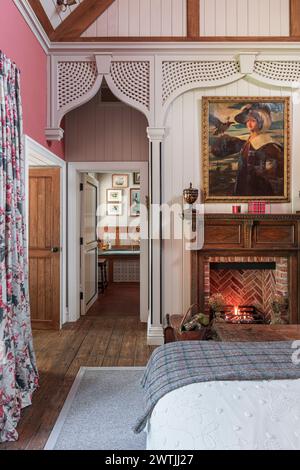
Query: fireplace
{"points": [[243, 314], [248, 284], [250, 259]]}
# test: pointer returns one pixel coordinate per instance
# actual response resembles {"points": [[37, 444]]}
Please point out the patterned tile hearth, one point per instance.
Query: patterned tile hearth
{"points": [[256, 287]]}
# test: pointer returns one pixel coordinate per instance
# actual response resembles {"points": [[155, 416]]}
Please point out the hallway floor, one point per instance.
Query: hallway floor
{"points": [[118, 297], [109, 335]]}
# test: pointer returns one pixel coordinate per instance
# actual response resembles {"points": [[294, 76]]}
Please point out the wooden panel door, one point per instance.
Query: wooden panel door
{"points": [[89, 246], [44, 247]]}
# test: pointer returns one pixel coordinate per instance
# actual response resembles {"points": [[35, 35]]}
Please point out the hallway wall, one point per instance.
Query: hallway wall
{"points": [[98, 132]]}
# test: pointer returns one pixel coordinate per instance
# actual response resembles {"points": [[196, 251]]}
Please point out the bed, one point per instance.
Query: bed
{"points": [[212, 396]]}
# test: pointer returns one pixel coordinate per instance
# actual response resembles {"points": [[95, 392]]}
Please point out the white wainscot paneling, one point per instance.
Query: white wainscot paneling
{"points": [[182, 164], [106, 132], [138, 18], [244, 17]]}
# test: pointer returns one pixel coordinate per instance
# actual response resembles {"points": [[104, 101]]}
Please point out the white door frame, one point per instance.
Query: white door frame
{"points": [[74, 170], [40, 156]]}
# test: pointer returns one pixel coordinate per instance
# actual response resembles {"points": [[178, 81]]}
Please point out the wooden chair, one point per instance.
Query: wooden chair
{"points": [[102, 275]]}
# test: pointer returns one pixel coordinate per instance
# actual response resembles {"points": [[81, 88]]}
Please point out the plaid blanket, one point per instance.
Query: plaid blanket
{"points": [[175, 365]]}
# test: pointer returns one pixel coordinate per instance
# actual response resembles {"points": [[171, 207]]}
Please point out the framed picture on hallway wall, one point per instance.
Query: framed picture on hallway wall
{"points": [[114, 209], [114, 195], [135, 202], [120, 181], [245, 149], [136, 177]]}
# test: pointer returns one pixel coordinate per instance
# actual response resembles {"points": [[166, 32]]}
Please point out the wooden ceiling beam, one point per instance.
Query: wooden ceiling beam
{"points": [[193, 18], [89, 10], [295, 18], [42, 16], [80, 19], [182, 39]]}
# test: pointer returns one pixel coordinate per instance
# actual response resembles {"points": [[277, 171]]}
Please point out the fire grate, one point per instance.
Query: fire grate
{"points": [[246, 314]]}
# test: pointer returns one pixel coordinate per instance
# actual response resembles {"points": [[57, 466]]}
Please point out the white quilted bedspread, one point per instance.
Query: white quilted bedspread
{"points": [[228, 415]]}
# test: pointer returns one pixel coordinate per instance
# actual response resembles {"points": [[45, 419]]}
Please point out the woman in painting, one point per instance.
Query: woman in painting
{"points": [[261, 160]]}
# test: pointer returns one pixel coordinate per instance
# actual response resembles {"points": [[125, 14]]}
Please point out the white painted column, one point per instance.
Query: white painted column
{"points": [[155, 328]]}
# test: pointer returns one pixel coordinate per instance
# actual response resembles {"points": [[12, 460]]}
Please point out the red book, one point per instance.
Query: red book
{"points": [[259, 207]]}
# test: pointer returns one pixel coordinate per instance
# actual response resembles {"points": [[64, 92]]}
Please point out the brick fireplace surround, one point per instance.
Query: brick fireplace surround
{"points": [[253, 287], [246, 238]]}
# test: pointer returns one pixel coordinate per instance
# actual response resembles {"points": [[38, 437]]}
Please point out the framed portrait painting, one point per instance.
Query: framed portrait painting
{"points": [[114, 195], [120, 181], [245, 149], [135, 202]]}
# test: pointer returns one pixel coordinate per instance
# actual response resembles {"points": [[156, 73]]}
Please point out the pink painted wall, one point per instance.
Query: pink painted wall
{"points": [[19, 44]]}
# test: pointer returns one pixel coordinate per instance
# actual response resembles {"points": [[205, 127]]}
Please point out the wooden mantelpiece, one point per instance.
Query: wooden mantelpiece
{"points": [[247, 231], [236, 235]]}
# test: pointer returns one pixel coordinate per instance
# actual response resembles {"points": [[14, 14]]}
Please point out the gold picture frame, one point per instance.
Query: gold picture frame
{"points": [[246, 149]]}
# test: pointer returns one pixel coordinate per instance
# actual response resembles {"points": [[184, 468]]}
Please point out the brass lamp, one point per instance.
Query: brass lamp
{"points": [[190, 195]]}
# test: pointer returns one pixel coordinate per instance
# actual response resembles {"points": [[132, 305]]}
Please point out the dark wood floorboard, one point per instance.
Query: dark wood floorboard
{"points": [[118, 298], [109, 335]]}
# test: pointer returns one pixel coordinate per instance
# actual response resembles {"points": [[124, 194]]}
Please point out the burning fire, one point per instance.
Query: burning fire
{"points": [[237, 313], [243, 314]]}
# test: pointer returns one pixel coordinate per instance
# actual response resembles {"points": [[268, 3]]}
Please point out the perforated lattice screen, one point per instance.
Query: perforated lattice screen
{"points": [[133, 80], [288, 71], [178, 74], [75, 79]]}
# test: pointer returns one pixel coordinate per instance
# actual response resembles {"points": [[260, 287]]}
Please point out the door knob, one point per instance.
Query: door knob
{"points": [[55, 249]]}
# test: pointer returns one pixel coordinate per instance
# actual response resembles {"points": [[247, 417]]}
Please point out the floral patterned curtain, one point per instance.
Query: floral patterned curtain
{"points": [[18, 373]]}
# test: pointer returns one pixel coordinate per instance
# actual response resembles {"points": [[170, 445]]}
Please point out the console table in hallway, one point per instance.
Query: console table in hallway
{"points": [[234, 333]]}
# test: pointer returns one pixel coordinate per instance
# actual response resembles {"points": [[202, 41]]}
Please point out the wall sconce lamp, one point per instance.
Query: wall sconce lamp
{"points": [[190, 195], [63, 4]]}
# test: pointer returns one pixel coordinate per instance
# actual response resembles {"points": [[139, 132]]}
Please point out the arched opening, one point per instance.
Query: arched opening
{"points": [[107, 155]]}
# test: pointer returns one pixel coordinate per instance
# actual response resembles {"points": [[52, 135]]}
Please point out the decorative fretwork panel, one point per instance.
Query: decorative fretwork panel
{"points": [[132, 79], [283, 71], [139, 84], [179, 74], [75, 79]]}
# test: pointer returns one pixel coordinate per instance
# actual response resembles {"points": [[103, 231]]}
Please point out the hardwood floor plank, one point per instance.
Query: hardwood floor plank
{"points": [[114, 347], [142, 351], [52, 373], [127, 351], [109, 335]]}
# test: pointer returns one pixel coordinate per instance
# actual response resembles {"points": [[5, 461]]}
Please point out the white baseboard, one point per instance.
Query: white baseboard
{"points": [[155, 335], [65, 316]]}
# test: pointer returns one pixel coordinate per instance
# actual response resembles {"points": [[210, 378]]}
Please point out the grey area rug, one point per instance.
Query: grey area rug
{"points": [[100, 411]]}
